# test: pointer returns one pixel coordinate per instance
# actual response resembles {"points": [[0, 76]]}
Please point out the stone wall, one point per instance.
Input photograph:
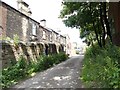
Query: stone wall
{"points": [[3, 18], [31, 51], [13, 23], [10, 52]]}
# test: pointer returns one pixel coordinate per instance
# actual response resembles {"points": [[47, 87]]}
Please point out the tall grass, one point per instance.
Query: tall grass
{"points": [[101, 67]]}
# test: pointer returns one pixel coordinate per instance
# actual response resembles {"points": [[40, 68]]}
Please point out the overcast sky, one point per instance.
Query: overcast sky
{"points": [[49, 10]]}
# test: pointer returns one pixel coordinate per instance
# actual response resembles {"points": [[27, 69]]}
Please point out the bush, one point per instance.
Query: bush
{"points": [[45, 62], [21, 69], [101, 67], [14, 73]]}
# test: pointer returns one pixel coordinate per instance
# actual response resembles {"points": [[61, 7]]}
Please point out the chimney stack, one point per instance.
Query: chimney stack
{"points": [[23, 7], [43, 22]]}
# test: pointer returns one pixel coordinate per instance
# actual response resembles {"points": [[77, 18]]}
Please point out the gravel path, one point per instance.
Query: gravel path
{"points": [[63, 75]]}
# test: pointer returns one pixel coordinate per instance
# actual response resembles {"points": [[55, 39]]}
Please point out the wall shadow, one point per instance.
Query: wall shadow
{"points": [[25, 51], [8, 57]]}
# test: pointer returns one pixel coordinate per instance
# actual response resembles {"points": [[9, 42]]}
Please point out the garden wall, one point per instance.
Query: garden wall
{"points": [[10, 52]]}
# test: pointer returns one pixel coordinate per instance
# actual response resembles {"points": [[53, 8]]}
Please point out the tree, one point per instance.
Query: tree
{"points": [[91, 18]]}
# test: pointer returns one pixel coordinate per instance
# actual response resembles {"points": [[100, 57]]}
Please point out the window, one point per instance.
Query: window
{"points": [[50, 37], [44, 35], [55, 37], [34, 29], [58, 38]]}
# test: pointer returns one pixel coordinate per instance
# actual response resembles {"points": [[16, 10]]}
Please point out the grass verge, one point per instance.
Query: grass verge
{"points": [[101, 67]]}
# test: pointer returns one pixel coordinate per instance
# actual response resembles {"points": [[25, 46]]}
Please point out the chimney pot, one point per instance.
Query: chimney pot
{"points": [[43, 22]]}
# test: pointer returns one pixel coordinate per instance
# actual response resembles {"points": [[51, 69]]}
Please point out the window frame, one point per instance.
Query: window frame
{"points": [[34, 29]]}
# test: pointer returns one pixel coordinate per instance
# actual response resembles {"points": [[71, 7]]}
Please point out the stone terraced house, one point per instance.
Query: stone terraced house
{"points": [[34, 39]]}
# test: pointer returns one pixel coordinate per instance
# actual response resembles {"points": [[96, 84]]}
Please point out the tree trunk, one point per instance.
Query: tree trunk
{"points": [[99, 43], [106, 21], [102, 23], [93, 22]]}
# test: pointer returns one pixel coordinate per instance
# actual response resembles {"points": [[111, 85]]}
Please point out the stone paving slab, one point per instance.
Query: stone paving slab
{"points": [[63, 75]]}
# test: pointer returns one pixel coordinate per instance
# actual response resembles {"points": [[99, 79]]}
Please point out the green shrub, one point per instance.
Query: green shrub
{"points": [[22, 69], [14, 73], [101, 67], [50, 60]]}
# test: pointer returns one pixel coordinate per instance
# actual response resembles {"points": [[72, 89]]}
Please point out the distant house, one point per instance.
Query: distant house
{"points": [[68, 45]]}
